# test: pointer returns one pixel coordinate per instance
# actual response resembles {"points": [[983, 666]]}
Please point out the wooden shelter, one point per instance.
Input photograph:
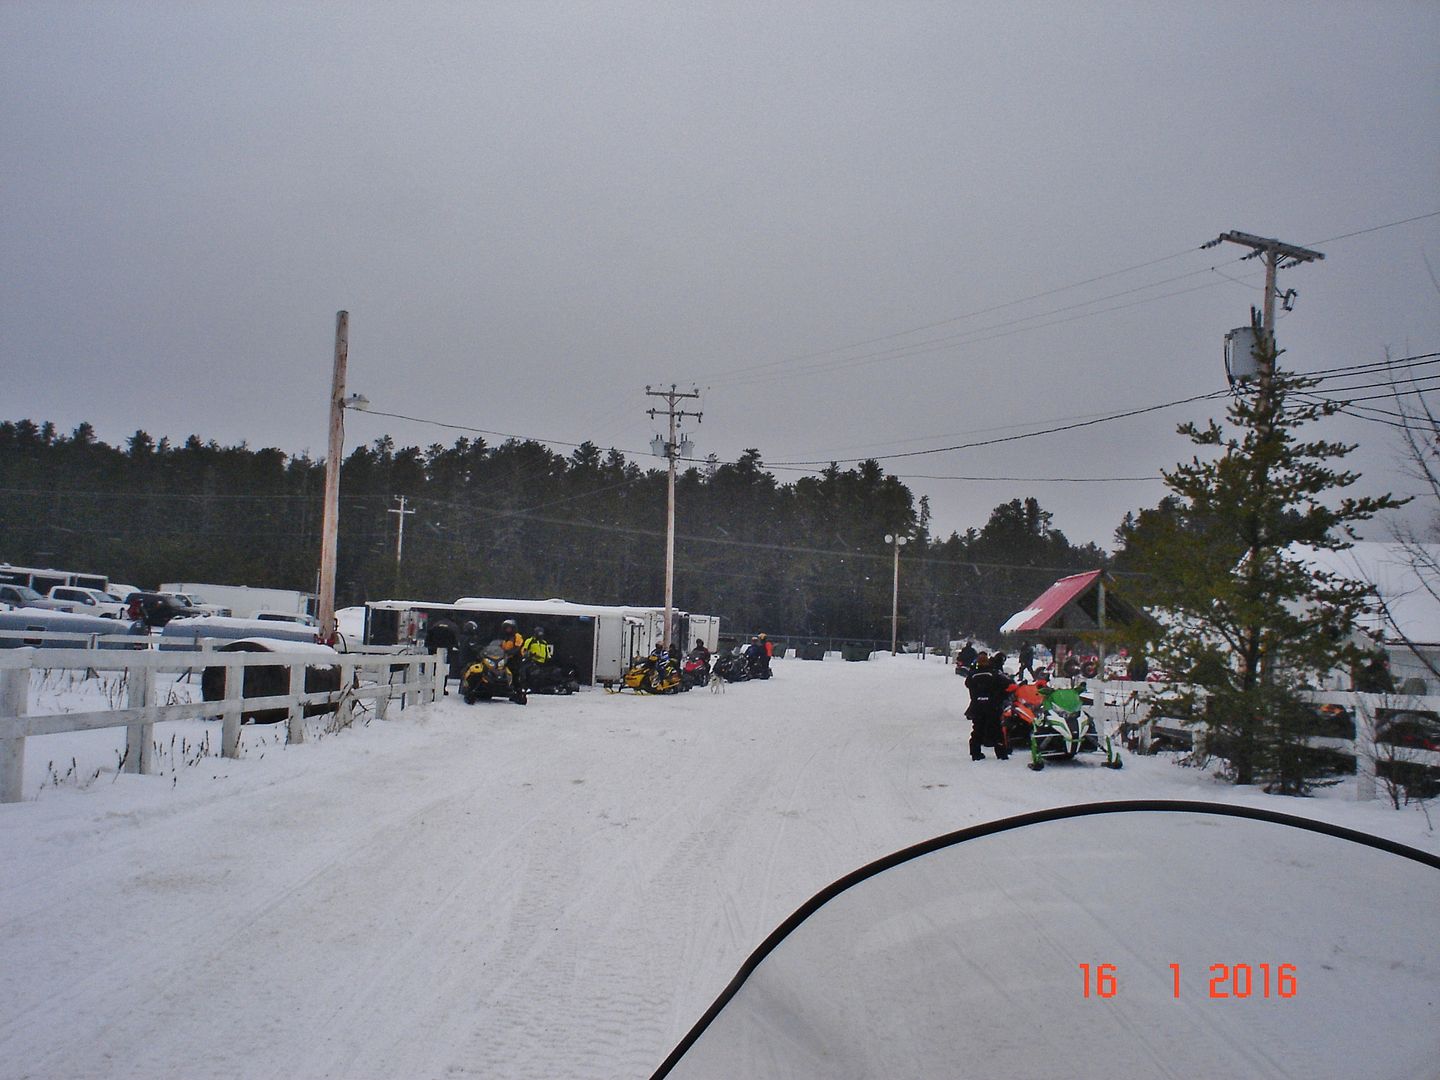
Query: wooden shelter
{"points": [[1079, 609]]}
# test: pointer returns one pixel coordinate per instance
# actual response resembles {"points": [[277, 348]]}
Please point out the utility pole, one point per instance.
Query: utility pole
{"points": [[898, 542], [330, 526], [1278, 256], [671, 397], [400, 534]]}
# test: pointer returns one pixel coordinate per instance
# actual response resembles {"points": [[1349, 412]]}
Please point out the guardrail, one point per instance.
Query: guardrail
{"points": [[419, 682], [1127, 703]]}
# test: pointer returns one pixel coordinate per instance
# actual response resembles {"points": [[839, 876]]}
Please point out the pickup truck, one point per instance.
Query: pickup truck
{"points": [[87, 601]]}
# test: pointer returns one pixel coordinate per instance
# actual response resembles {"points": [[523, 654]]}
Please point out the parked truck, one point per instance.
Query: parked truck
{"points": [[246, 601]]}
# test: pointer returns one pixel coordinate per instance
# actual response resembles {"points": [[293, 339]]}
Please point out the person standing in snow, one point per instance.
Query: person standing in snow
{"points": [[965, 659], [1027, 661], [514, 645], [536, 649], [987, 700], [757, 658]]}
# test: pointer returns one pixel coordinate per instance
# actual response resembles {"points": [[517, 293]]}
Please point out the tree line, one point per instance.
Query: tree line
{"points": [[519, 519]]}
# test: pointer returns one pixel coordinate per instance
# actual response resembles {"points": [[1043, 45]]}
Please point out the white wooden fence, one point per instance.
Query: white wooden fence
{"points": [[1119, 703], [363, 676]]}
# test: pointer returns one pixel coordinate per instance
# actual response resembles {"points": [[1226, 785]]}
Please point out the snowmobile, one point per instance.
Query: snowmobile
{"points": [[1017, 719], [489, 677], [731, 668], [549, 677], [1063, 728], [696, 670], [655, 674]]}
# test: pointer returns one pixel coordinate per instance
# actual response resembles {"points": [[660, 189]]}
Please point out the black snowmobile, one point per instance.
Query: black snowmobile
{"points": [[731, 667], [549, 677]]}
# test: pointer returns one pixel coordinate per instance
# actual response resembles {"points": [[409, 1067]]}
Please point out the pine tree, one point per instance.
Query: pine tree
{"points": [[1246, 622]]}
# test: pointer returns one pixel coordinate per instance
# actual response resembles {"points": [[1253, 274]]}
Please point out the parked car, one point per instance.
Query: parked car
{"points": [[121, 593], [87, 601], [23, 596], [202, 609], [157, 609]]}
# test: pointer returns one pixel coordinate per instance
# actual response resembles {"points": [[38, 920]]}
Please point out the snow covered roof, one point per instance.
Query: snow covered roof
{"points": [[1403, 576], [1045, 607], [526, 607]]}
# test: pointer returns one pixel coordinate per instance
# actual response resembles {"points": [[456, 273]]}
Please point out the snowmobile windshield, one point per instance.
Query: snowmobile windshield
{"points": [[1113, 940], [1065, 700]]}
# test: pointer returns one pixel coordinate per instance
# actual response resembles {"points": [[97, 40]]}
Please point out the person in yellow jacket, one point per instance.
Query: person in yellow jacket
{"points": [[536, 648], [514, 646]]}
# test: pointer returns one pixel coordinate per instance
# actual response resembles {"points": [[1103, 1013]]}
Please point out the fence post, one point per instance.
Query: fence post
{"points": [[295, 729], [442, 674], [230, 717], [386, 685], [14, 702], [1365, 754], [345, 711], [140, 738]]}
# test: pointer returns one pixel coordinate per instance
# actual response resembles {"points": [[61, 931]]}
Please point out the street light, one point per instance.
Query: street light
{"points": [[898, 542]]}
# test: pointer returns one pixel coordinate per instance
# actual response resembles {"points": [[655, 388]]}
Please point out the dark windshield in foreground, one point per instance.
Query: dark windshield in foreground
{"points": [[1119, 940]]}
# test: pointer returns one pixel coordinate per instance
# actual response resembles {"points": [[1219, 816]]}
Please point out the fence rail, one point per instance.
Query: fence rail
{"points": [[364, 676], [1121, 705]]}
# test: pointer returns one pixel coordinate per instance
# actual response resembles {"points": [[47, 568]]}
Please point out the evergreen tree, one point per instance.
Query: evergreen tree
{"points": [[1246, 622]]}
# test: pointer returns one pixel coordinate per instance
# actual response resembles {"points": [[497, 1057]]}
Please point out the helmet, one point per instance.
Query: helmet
{"points": [[539, 631], [508, 624], [470, 627]]}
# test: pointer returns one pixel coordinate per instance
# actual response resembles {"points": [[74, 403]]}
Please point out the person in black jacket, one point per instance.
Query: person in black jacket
{"points": [[1027, 661], [987, 700], [965, 659]]}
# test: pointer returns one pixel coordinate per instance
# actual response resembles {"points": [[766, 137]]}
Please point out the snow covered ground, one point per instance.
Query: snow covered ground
{"points": [[555, 890]]}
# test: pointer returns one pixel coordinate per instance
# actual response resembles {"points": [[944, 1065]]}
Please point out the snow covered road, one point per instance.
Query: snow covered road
{"points": [[551, 891]]}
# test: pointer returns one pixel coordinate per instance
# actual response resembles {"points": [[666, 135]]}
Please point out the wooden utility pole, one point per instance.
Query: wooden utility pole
{"points": [[400, 534], [671, 397], [898, 541], [1278, 256], [330, 525]]}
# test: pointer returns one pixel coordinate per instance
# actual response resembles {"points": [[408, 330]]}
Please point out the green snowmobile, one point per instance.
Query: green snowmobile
{"points": [[1063, 729]]}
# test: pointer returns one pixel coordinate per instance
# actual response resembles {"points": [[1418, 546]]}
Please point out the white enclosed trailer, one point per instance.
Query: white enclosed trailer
{"points": [[598, 641]]}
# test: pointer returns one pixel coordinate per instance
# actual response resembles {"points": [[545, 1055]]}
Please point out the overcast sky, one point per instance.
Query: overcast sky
{"points": [[860, 228]]}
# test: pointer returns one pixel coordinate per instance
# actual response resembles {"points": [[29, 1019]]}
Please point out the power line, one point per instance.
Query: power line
{"points": [[1377, 228], [1014, 438], [745, 375], [1407, 362], [806, 466], [967, 315], [980, 336], [1034, 479], [1414, 380]]}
